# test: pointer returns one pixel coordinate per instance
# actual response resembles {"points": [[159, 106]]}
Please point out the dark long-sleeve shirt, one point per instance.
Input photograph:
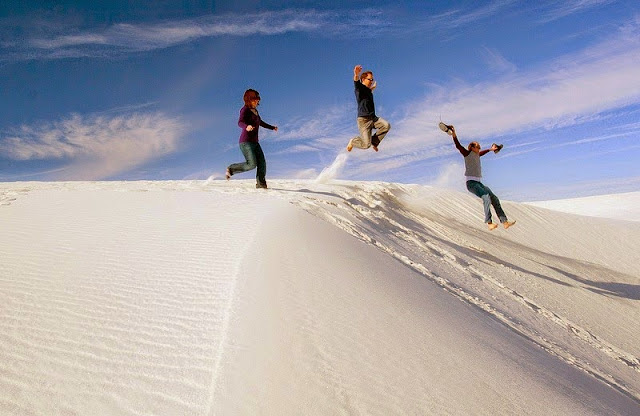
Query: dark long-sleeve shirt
{"points": [[364, 98], [249, 118], [462, 150]]}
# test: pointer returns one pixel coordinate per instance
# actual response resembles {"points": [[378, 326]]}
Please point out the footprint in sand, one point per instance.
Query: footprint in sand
{"points": [[7, 197]]}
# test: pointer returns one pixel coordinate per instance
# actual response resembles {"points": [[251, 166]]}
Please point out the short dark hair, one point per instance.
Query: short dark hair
{"points": [[250, 95], [364, 74]]}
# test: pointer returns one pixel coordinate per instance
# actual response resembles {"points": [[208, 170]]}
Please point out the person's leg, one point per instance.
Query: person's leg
{"points": [[250, 160], [479, 190], [495, 201], [262, 166], [382, 127], [365, 125]]}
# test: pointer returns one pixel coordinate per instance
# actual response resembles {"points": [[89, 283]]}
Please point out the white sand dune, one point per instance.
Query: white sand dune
{"points": [[624, 206], [214, 298]]}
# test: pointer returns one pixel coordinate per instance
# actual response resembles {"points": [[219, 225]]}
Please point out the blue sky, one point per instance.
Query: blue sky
{"points": [[124, 91]]}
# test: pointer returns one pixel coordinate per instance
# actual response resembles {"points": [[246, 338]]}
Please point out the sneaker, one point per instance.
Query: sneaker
{"points": [[445, 128], [499, 147], [492, 226], [261, 185], [507, 224], [227, 174]]}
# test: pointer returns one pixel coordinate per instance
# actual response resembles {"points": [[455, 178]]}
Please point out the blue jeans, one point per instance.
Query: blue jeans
{"points": [[488, 199], [254, 157]]}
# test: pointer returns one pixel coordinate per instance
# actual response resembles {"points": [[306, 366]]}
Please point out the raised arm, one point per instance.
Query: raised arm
{"points": [[461, 149], [356, 72]]}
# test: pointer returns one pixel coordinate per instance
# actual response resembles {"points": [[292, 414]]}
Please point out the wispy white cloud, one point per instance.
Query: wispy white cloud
{"points": [[327, 130], [297, 148], [518, 150], [497, 62], [126, 38], [459, 18], [317, 125], [558, 10], [95, 147]]}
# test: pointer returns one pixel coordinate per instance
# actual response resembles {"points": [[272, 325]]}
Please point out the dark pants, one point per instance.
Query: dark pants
{"points": [[488, 198], [254, 157]]}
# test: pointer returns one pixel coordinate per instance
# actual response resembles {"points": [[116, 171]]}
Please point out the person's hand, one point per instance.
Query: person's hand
{"points": [[494, 147], [275, 128], [249, 128], [357, 69]]}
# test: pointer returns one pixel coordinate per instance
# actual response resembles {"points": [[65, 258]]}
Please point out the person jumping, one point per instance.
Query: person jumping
{"points": [[473, 173], [367, 120]]}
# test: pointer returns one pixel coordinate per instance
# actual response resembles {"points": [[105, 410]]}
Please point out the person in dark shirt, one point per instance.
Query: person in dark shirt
{"points": [[473, 174], [367, 120], [250, 122]]}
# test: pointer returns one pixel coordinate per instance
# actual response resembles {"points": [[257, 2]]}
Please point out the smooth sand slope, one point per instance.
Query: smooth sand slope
{"points": [[214, 298], [624, 206]]}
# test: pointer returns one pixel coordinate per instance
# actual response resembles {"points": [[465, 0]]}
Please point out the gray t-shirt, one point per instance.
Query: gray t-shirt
{"points": [[473, 169]]}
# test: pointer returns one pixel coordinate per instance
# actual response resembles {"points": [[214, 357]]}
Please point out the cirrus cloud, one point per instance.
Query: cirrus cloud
{"points": [[95, 146], [127, 38]]}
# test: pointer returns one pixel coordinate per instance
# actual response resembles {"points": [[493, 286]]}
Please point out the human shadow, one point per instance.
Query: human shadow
{"points": [[622, 290]]}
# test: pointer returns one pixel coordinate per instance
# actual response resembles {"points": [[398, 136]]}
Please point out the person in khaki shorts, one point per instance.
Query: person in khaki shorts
{"points": [[367, 120]]}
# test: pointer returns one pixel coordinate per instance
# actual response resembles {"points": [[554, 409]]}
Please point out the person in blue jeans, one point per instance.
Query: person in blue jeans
{"points": [[250, 121], [473, 173]]}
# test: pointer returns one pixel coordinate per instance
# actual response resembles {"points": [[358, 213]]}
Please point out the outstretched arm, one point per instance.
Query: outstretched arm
{"points": [[492, 149], [268, 126], [461, 149]]}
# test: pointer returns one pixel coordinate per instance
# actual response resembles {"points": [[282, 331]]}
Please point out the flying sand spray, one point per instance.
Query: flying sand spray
{"points": [[332, 171]]}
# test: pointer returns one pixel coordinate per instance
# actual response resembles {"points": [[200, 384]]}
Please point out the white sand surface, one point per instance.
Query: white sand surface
{"points": [[623, 206], [316, 298]]}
